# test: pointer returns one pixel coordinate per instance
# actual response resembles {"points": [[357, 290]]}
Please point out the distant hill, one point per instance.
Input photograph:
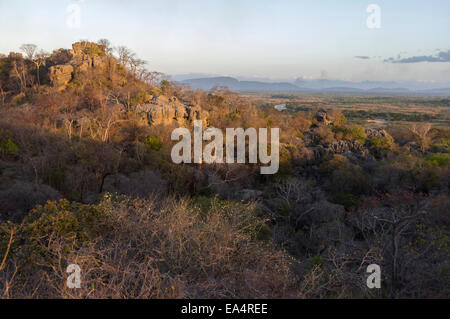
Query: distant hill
{"points": [[313, 86], [437, 92], [342, 89], [241, 86], [389, 90]]}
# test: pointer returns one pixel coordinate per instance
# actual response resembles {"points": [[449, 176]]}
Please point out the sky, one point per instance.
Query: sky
{"points": [[404, 40]]}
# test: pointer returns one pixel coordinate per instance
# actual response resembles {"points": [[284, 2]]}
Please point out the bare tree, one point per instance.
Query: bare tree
{"points": [[38, 58], [106, 119], [107, 45], [19, 71], [151, 78], [388, 225], [83, 123], [29, 50], [39, 61], [3, 94], [421, 132], [8, 280], [125, 55], [68, 123], [137, 67]]}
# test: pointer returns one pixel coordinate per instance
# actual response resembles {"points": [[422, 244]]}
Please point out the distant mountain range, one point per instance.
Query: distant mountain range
{"points": [[241, 86], [314, 86]]}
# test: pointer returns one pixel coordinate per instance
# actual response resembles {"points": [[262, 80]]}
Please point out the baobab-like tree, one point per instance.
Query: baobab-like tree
{"points": [[29, 50]]}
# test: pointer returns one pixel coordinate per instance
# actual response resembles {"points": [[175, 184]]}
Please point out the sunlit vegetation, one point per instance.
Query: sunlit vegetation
{"points": [[86, 177]]}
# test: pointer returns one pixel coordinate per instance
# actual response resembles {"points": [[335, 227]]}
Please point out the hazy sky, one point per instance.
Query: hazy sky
{"points": [[276, 39]]}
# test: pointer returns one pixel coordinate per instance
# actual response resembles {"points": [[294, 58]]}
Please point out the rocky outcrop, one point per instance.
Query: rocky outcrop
{"points": [[64, 65], [60, 75], [353, 150], [166, 111], [377, 133], [83, 57], [91, 48], [342, 147]]}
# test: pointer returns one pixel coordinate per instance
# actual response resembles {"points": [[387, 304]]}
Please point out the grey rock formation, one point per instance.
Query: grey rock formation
{"points": [[377, 133], [343, 147], [353, 150], [165, 111]]}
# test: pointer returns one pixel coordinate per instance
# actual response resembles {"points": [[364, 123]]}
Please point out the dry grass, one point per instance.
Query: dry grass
{"points": [[158, 249]]}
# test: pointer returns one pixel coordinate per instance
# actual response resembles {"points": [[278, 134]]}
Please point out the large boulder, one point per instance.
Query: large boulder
{"points": [[60, 75]]}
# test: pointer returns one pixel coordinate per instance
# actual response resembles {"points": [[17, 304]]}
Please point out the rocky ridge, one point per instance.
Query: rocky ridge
{"points": [[165, 111], [83, 56], [86, 57]]}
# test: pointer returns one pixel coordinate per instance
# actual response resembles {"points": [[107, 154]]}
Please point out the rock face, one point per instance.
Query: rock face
{"points": [[83, 57], [166, 111], [377, 133], [60, 75], [351, 149], [340, 147], [88, 48], [90, 57]]}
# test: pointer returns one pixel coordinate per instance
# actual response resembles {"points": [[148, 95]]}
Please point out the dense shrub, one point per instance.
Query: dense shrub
{"points": [[345, 176], [379, 147], [351, 133], [153, 142], [7, 145], [439, 159], [441, 146], [323, 134], [324, 209]]}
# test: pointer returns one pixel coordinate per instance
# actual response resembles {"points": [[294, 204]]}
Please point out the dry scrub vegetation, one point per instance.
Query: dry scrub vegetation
{"points": [[86, 178], [144, 249]]}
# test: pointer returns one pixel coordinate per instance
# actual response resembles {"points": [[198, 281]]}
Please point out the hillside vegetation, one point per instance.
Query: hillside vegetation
{"points": [[86, 177]]}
